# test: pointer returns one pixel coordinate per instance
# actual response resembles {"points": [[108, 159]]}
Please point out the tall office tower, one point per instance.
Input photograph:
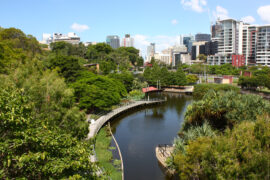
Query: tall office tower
{"points": [[127, 41], [151, 50], [113, 41], [187, 41], [202, 37], [263, 46], [181, 40]]}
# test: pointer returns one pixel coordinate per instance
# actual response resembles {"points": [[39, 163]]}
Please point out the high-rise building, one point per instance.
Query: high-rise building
{"points": [[187, 41], [151, 50], [127, 41], [113, 41], [241, 44], [263, 46], [202, 37]]}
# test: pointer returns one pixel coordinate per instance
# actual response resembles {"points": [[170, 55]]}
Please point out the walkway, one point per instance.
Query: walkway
{"points": [[95, 127], [186, 89]]}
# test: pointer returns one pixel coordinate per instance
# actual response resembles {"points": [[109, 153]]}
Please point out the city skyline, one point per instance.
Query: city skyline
{"points": [[147, 22]]}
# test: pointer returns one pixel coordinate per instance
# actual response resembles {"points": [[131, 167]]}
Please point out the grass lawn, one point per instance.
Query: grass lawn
{"points": [[104, 155]]}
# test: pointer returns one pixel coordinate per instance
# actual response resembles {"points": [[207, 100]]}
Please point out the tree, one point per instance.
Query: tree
{"points": [[202, 57], [192, 79], [180, 77], [126, 78], [67, 66], [98, 52], [96, 92]]}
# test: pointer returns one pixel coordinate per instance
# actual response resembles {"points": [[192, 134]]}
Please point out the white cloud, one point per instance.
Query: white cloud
{"points": [[162, 42], [195, 5], [221, 13], [264, 13], [79, 27], [248, 19], [174, 22]]}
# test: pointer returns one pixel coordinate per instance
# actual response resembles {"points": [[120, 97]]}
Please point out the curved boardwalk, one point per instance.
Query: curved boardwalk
{"points": [[95, 127]]}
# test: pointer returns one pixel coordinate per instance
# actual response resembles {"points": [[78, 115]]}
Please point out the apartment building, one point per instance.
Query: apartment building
{"points": [[127, 41], [240, 44], [263, 46]]}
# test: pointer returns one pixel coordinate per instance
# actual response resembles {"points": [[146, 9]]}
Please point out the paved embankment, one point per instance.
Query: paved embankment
{"points": [[95, 127], [186, 89], [163, 152]]}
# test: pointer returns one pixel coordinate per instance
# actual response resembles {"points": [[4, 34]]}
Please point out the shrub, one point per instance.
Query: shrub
{"points": [[201, 89]]}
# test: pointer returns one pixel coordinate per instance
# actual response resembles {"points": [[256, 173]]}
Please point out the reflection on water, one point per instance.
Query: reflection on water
{"points": [[139, 132]]}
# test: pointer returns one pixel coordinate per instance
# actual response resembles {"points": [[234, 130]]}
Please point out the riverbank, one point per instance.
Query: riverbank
{"points": [[163, 152], [104, 155]]}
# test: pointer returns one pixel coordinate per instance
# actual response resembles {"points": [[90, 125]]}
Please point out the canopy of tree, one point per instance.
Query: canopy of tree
{"points": [[95, 92], [111, 59], [152, 75]]}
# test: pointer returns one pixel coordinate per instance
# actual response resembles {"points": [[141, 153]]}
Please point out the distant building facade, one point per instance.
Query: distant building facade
{"points": [[202, 37], [151, 50], [113, 41], [70, 38], [127, 41]]}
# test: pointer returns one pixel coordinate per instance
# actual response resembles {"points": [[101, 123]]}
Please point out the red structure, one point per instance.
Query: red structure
{"points": [[147, 64], [238, 60], [149, 89], [230, 78]]}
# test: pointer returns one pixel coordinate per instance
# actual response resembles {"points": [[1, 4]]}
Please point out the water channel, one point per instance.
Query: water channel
{"points": [[139, 132]]}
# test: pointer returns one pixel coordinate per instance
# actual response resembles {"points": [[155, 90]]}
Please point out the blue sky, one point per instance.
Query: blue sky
{"points": [[148, 21]]}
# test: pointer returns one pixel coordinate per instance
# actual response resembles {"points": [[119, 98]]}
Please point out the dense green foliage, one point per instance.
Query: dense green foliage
{"points": [[225, 109], [201, 89], [224, 136], [126, 78], [113, 59], [240, 153], [152, 75], [260, 78], [192, 79], [42, 131], [95, 92]]}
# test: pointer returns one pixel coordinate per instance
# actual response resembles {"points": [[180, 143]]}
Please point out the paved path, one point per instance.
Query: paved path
{"points": [[187, 89], [95, 127]]}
